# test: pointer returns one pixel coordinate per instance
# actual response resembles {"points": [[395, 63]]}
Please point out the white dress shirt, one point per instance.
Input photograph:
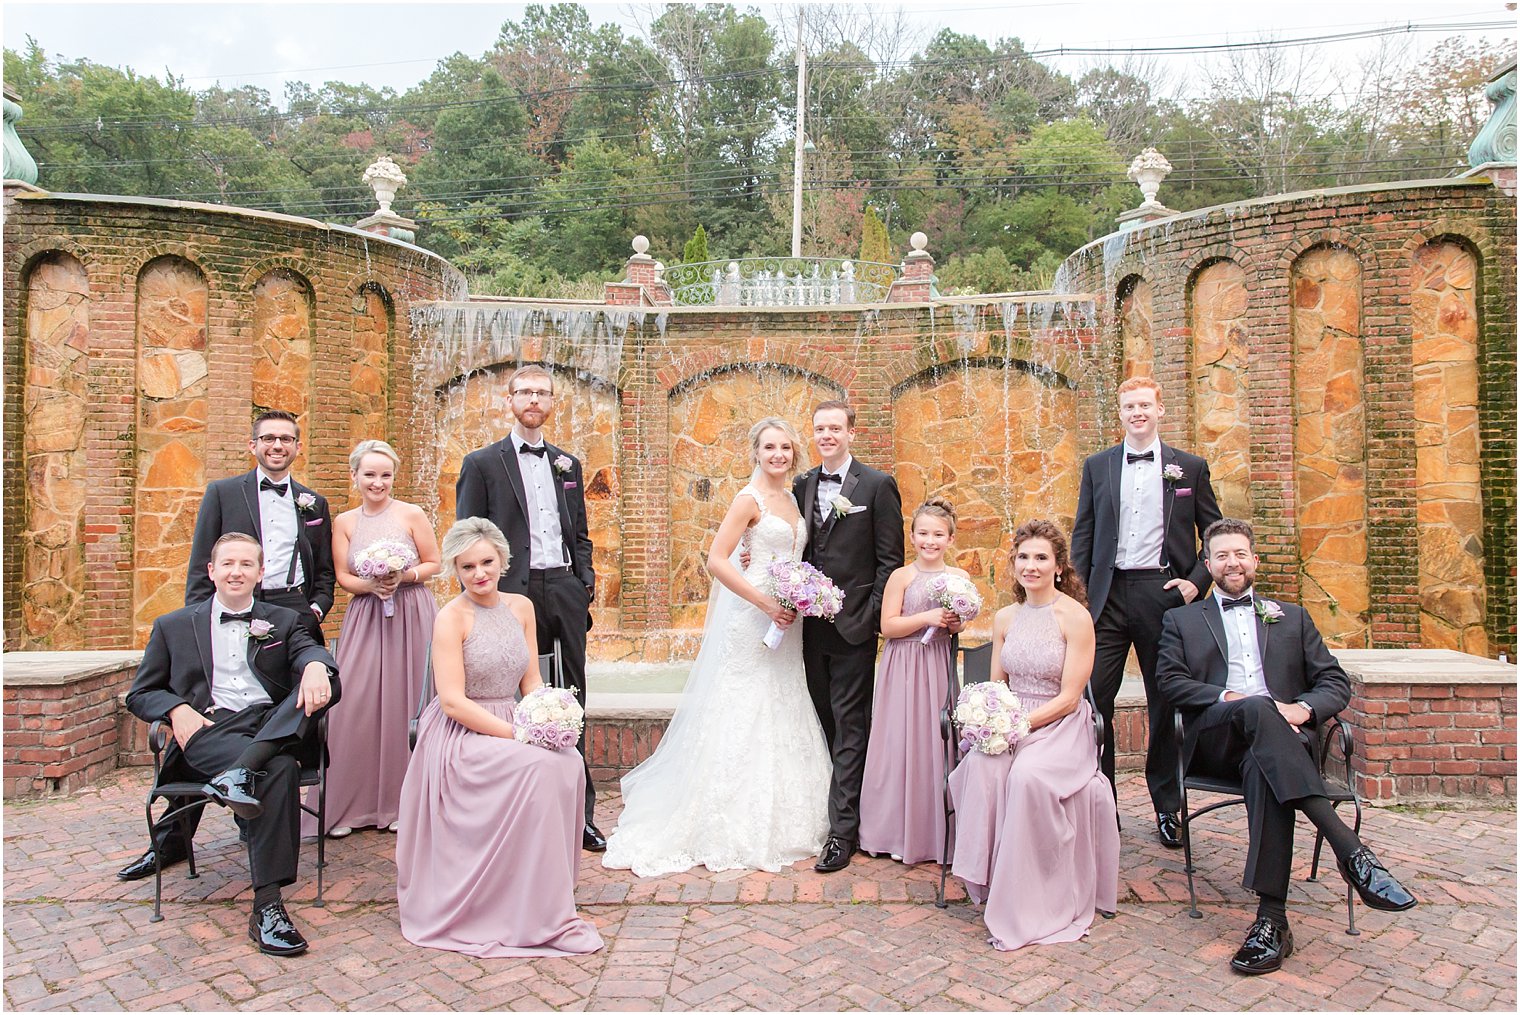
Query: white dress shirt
{"points": [[233, 684], [278, 525], [1246, 675], [546, 538], [828, 491], [1140, 501]]}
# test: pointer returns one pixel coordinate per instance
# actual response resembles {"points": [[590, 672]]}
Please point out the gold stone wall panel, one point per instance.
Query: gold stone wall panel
{"points": [[369, 366], [1136, 342], [1448, 490], [282, 351], [55, 405], [1222, 419], [1330, 437], [171, 433], [1001, 445]]}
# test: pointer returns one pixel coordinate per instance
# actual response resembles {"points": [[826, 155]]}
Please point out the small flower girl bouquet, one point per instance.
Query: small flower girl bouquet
{"points": [[955, 593], [550, 718], [800, 586], [382, 558], [991, 717]]}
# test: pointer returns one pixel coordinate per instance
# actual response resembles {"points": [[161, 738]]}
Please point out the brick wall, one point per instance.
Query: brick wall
{"points": [[1421, 742], [62, 734]]}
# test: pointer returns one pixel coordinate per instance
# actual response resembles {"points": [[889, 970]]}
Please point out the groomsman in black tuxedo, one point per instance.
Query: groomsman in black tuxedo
{"points": [[536, 495], [1141, 508], [855, 536], [241, 682], [1250, 675], [290, 520]]}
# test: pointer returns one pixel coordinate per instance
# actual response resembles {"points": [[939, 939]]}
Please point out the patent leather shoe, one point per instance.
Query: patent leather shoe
{"points": [[1169, 829], [592, 839], [1265, 947], [142, 867], [1378, 889], [271, 928], [233, 789], [835, 856]]}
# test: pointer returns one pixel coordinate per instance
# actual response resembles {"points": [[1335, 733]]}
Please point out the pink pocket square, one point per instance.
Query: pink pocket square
{"points": [[270, 645], [571, 486], [314, 521], [1185, 491]]}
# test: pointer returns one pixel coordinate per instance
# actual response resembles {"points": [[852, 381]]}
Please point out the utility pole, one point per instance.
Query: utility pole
{"points": [[801, 133]]}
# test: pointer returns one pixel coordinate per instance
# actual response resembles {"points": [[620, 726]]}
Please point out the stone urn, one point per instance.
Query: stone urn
{"points": [[1148, 170], [384, 178]]}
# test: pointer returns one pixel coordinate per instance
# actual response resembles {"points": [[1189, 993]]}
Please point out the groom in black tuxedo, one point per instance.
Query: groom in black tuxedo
{"points": [[1140, 510], [855, 536], [1249, 675], [536, 495], [241, 682], [291, 522]]}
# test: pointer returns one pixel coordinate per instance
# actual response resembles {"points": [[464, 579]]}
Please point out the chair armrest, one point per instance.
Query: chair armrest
{"points": [[158, 736], [1177, 746], [1333, 730]]}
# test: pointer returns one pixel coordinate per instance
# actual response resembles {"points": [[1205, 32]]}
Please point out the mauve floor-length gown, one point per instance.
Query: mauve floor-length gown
{"points": [[902, 808], [382, 661], [1036, 835], [490, 842]]}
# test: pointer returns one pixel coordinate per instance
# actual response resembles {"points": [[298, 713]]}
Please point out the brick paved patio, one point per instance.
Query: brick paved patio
{"points": [[869, 938]]}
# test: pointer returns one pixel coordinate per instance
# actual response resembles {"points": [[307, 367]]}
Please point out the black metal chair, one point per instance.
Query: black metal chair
{"points": [[1340, 785], [183, 796], [550, 669]]}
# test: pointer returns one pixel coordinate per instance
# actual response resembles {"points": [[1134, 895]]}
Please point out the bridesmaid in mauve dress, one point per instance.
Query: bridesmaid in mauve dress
{"points": [[490, 842], [902, 803], [1036, 831], [382, 658]]}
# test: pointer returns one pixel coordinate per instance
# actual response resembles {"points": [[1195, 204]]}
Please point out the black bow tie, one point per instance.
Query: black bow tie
{"points": [[228, 617], [1144, 456], [278, 488], [528, 449], [829, 477], [1230, 604]]}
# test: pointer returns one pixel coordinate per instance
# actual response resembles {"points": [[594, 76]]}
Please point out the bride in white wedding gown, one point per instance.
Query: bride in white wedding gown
{"points": [[741, 777]]}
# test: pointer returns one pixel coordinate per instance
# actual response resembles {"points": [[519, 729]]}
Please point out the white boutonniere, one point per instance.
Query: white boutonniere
{"points": [[260, 629], [562, 464], [306, 502], [1172, 473], [1268, 611], [841, 505]]}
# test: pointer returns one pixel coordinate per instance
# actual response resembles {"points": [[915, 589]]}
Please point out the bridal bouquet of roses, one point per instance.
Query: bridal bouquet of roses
{"points": [[550, 718], [955, 593], [991, 717], [383, 558], [800, 586]]}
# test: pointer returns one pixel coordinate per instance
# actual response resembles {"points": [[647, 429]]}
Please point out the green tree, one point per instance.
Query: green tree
{"points": [[874, 244], [696, 248]]}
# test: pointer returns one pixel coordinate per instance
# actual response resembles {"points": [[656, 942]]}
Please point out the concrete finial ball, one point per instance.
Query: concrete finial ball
{"points": [[641, 245], [919, 241]]}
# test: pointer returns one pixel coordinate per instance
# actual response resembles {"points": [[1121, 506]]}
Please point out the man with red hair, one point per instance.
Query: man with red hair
{"points": [[1141, 511]]}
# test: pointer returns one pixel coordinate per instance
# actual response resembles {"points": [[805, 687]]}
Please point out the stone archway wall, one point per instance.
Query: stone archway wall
{"points": [[1221, 403], [1135, 312], [369, 367], [55, 408], [282, 349], [1444, 310], [171, 433]]}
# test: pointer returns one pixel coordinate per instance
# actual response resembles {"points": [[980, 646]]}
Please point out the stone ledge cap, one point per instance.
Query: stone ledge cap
{"points": [[55, 669], [1423, 666]]}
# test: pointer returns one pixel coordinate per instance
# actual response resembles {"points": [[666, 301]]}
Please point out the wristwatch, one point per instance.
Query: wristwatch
{"points": [[1308, 708]]}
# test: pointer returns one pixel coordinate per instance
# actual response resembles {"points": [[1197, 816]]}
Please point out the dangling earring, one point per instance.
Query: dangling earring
{"points": [[1058, 577]]}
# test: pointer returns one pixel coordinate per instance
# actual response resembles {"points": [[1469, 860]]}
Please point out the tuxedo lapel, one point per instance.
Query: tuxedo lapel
{"points": [[1215, 621], [508, 452], [200, 625], [254, 652], [303, 542], [1115, 477], [566, 530], [1168, 495], [810, 500], [250, 487], [1262, 627]]}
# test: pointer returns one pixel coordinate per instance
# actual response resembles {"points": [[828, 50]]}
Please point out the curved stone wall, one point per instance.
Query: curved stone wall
{"points": [[140, 338], [1346, 361]]}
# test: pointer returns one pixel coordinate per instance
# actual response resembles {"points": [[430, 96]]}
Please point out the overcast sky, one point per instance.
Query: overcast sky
{"points": [[397, 44]]}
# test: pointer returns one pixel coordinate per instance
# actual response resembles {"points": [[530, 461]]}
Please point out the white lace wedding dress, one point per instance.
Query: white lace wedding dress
{"points": [[741, 777]]}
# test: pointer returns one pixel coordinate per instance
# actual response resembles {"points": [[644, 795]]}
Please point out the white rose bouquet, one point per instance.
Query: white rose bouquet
{"points": [[550, 718], [991, 717]]}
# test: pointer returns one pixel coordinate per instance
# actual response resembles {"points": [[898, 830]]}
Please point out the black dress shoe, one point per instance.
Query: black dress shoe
{"points": [[142, 867], [1169, 829], [592, 839], [272, 930], [835, 856], [1266, 945], [1378, 888], [233, 789]]}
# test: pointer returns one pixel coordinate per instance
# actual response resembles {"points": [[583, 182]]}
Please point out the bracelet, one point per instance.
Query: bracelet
{"points": [[416, 576]]}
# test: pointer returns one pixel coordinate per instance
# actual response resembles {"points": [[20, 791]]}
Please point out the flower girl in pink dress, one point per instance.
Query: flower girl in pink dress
{"points": [[901, 798]]}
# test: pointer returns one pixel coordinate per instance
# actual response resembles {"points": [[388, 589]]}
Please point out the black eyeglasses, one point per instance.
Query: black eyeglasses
{"points": [[271, 439]]}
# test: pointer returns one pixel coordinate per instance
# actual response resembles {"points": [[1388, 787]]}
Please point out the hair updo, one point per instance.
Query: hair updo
{"points": [[936, 507]]}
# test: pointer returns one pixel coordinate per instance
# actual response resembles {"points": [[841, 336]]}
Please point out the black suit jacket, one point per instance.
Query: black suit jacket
{"points": [[232, 505], [1095, 536], [177, 664], [491, 486], [857, 551], [1194, 666]]}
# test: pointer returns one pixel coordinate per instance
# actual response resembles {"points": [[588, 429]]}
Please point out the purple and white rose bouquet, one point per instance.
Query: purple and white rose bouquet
{"points": [[381, 559], [955, 593], [800, 586], [991, 717], [550, 718]]}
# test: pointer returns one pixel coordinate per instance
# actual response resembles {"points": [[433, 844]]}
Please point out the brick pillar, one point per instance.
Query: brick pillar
{"points": [[645, 463], [641, 285], [917, 282]]}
